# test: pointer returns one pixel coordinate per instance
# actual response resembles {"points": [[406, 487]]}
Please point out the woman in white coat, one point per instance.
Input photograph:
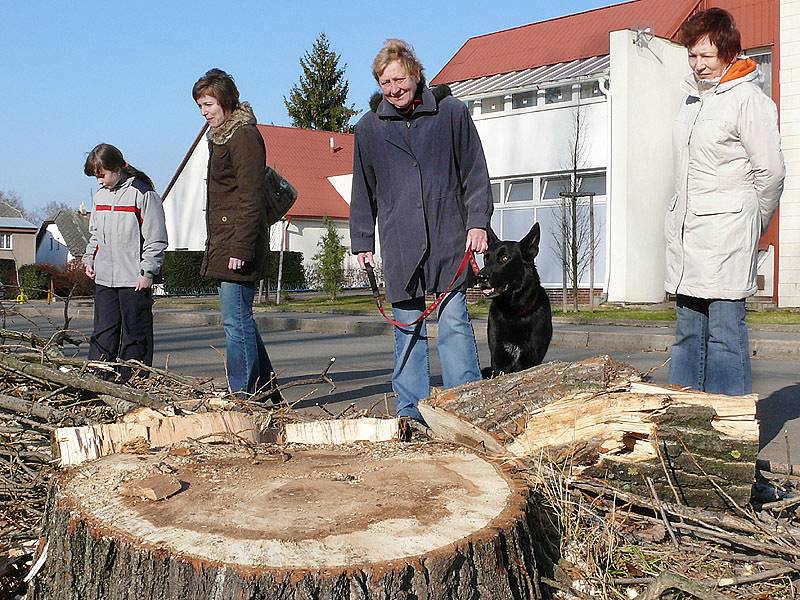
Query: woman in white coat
{"points": [[729, 175]]}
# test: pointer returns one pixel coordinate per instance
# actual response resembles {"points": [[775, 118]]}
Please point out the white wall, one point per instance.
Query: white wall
{"points": [[789, 226], [184, 209], [185, 205], [645, 98], [538, 141], [305, 234], [59, 254]]}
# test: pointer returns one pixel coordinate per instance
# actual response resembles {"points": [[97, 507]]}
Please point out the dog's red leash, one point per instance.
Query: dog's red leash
{"points": [[469, 259]]}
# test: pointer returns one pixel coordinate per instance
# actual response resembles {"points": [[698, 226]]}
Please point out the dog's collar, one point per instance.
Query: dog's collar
{"points": [[528, 309]]}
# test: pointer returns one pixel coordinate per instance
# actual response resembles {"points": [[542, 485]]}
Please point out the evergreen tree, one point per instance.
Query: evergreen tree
{"points": [[329, 260], [319, 100]]}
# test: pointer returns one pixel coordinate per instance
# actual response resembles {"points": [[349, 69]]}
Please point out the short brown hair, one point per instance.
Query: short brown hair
{"points": [[217, 84], [719, 26], [393, 50]]}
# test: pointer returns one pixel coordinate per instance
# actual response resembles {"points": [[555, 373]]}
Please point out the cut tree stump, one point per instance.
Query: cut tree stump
{"points": [[362, 521], [596, 416]]}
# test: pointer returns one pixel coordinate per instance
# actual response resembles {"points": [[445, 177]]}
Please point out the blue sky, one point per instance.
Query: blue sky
{"points": [[80, 73]]}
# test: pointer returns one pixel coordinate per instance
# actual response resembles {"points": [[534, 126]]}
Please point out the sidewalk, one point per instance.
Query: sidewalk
{"points": [[781, 342]]}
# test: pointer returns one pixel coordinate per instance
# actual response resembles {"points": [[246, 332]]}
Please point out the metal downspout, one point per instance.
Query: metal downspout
{"points": [[605, 89]]}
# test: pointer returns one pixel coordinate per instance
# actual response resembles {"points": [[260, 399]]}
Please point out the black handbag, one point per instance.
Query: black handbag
{"points": [[279, 195]]}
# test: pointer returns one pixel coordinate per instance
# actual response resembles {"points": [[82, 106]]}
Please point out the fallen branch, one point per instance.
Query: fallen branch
{"points": [[79, 382]]}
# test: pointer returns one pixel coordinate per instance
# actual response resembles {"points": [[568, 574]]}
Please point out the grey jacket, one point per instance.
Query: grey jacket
{"points": [[424, 180], [729, 173], [127, 234]]}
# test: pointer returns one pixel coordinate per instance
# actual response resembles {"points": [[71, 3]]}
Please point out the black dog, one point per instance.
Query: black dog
{"points": [[520, 322]]}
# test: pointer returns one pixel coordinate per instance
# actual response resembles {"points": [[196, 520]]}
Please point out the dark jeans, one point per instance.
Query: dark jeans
{"points": [[123, 325], [711, 352]]}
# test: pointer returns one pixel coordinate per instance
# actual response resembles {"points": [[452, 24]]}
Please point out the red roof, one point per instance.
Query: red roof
{"points": [[304, 157], [563, 39]]}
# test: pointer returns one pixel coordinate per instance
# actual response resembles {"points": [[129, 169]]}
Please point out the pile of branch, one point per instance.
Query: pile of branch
{"points": [[42, 389]]}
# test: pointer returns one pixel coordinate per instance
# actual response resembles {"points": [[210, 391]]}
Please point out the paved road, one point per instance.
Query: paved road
{"points": [[363, 370]]}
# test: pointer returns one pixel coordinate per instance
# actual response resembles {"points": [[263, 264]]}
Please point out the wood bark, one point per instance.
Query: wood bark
{"points": [[368, 521], [594, 415]]}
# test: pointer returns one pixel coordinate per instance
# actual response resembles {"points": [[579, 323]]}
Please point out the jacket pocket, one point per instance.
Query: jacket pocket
{"points": [[715, 205]]}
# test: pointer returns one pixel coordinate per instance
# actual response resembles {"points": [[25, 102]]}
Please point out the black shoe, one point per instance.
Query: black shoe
{"points": [[404, 429], [275, 397]]}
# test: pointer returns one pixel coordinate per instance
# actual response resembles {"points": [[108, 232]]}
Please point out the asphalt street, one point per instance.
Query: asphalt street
{"points": [[362, 371]]}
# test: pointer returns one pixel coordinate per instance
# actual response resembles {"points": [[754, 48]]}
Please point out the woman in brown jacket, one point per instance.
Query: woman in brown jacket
{"points": [[237, 243]]}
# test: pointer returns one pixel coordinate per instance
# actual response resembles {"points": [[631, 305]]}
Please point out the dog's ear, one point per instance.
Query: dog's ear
{"points": [[491, 236], [530, 243]]}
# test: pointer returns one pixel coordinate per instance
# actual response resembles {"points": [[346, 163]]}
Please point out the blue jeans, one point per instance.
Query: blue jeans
{"points": [[711, 352], [246, 359], [458, 353]]}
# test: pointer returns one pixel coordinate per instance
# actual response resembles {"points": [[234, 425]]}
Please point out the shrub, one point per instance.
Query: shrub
{"points": [[8, 272], [182, 273], [72, 278], [293, 277], [35, 280]]}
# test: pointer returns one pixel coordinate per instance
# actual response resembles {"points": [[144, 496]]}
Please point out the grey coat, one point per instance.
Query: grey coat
{"points": [[127, 234], [424, 180]]}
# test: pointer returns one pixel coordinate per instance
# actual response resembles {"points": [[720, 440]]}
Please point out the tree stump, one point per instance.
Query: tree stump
{"points": [[362, 521], [598, 418]]}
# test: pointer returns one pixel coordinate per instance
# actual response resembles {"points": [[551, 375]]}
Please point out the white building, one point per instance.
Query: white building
{"points": [[318, 163], [608, 67], [63, 238]]}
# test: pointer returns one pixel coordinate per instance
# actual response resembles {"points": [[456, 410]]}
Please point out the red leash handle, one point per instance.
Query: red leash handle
{"points": [[469, 259]]}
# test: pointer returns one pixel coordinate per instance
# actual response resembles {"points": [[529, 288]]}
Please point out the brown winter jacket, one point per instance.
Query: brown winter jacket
{"points": [[235, 208]]}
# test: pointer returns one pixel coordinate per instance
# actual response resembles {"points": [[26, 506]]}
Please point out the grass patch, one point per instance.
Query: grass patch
{"points": [[364, 304]]}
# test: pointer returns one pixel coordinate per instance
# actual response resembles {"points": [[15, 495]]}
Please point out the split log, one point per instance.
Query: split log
{"points": [[368, 521], [698, 449], [74, 445]]}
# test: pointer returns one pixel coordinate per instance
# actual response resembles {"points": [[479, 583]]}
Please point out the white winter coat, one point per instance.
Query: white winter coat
{"points": [[729, 175]]}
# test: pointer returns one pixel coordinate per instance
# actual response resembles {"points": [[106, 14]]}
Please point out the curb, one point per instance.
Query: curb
{"points": [[565, 334]]}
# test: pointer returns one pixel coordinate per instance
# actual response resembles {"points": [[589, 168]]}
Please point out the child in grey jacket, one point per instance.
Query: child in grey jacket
{"points": [[127, 239]]}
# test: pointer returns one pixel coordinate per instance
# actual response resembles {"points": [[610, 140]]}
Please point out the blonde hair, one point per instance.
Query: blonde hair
{"points": [[393, 50]]}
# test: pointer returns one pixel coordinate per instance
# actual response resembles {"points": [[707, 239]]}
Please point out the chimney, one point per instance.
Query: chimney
{"points": [[333, 145]]}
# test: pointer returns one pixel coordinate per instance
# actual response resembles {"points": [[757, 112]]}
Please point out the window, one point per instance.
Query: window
{"points": [[558, 94], [595, 184], [470, 106], [535, 199], [552, 188], [523, 100], [5, 241], [496, 192], [520, 191], [590, 90], [493, 104], [763, 57]]}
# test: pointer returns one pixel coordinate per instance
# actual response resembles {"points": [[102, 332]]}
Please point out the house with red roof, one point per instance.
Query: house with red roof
{"points": [[318, 163], [607, 82]]}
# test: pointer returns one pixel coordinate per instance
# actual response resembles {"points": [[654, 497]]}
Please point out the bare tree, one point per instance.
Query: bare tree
{"points": [[575, 242], [11, 205], [50, 210]]}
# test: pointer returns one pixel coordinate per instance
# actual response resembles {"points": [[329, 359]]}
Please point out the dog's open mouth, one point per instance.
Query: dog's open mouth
{"points": [[493, 292]]}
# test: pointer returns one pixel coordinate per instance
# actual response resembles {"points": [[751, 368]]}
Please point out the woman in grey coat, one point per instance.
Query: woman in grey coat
{"points": [[420, 172], [728, 181]]}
